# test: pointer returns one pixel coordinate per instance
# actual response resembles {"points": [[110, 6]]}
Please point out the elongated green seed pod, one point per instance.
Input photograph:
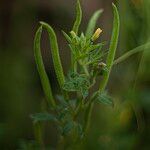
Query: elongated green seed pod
{"points": [[40, 66], [78, 17], [112, 48], [55, 54], [76, 29], [92, 23]]}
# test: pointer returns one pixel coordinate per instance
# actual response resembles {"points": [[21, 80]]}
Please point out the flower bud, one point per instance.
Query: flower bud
{"points": [[73, 34], [96, 34]]}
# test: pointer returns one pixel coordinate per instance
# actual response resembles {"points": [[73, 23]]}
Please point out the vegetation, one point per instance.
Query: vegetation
{"points": [[71, 110]]}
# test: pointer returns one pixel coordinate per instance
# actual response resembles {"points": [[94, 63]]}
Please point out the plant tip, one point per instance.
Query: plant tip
{"points": [[96, 34]]}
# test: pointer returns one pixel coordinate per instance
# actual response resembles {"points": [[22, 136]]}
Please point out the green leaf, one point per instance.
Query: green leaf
{"points": [[68, 127], [92, 23], [67, 37], [112, 47], [55, 54], [78, 17], [104, 98], [80, 130], [76, 82], [43, 117], [40, 67], [93, 47], [62, 100]]}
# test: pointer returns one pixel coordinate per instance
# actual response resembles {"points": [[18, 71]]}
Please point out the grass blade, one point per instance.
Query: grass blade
{"points": [[55, 54], [112, 48], [78, 17], [40, 67], [92, 23]]}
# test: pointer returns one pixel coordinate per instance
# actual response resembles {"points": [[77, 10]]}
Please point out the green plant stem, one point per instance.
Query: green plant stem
{"points": [[40, 67], [38, 134], [78, 109], [132, 52], [112, 48], [88, 114], [84, 68]]}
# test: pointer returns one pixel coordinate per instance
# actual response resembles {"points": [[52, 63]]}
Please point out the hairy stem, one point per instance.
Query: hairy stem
{"points": [[132, 52]]}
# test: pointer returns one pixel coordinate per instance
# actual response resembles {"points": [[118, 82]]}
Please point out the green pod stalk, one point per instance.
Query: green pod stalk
{"points": [[92, 23], [112, 48], [55, 54], [132, 52], [40, 67]]}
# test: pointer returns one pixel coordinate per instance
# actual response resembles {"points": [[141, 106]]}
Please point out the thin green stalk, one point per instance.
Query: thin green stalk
{"points": [[86, 70], [55, 54], [40, 67], [78, 109], [112, 48], [92, 23], [38, 134], [87, 118], [132, 52]]}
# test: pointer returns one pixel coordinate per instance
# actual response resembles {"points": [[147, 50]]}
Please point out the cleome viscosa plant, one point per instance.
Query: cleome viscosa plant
{"points": [[71, 110]]}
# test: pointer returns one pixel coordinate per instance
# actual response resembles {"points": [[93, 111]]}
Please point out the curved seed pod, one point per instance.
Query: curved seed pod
{"points": [[112, 47], [40, 67], [55, 54], [92, 23], [78, 17]]}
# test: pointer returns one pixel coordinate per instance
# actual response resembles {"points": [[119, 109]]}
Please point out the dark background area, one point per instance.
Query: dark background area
{"points": [[127, 126]]}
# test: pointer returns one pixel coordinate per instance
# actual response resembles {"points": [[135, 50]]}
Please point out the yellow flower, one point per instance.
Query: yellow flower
{"points": [[73, 34], [96, 34]]}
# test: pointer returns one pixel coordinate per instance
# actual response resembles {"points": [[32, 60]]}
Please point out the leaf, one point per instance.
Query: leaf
{"points": [[78, 17], [76, 82], [112, 47], [80, 130], [104, 98], [55, 54], [67, 37], [92, 23], [40, 67], [68, 127], [62, 100], [43, 117], [93, 47]]}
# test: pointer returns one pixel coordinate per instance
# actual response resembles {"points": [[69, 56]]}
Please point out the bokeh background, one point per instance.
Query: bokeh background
{"points": [[124, 127]]}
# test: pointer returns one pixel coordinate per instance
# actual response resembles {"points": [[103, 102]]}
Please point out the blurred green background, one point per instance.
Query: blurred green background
{"points": [[125, 127]]}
